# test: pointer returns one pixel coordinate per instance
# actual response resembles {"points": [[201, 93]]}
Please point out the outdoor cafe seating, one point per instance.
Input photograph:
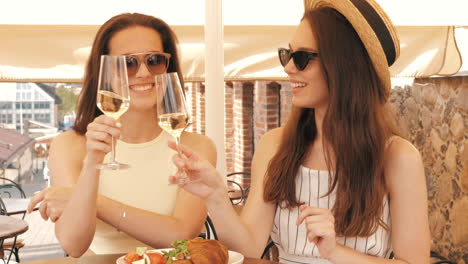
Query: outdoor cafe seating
{"points": [[13, 202]]}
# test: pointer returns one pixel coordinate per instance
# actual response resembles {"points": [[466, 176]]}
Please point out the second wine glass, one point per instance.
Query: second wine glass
{"points": [[172, 109]]}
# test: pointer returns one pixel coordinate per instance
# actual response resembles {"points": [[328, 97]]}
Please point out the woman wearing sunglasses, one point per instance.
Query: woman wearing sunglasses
{"points": [[118, 210], [336, 184]]}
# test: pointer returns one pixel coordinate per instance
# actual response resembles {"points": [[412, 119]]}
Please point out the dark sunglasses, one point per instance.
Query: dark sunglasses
{"points": [[301, 58], [156, 62]]}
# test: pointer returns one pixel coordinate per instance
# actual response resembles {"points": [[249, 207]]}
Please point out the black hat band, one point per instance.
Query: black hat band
{"points": [[379, 27]]}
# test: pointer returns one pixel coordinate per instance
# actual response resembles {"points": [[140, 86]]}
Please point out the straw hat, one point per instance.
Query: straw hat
{"points": [[373, 27]]}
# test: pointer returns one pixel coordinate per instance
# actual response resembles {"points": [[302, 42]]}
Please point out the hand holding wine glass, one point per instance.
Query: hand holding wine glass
{"points": [[172, 110], [113, 97]]}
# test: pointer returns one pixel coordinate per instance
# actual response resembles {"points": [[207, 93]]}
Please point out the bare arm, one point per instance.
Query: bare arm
{"points": [[186, 221], [248, 233], [69, 170], [408, 203], [76, 231]]}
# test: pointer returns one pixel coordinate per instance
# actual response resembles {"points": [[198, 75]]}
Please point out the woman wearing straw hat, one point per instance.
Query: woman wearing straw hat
{"points": [[336, 184]]}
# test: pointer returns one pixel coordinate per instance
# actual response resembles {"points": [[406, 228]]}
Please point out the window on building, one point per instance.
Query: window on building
{"points": [[6, 105], [42, 105], [43, 118], [6, 119], [23, 105]]}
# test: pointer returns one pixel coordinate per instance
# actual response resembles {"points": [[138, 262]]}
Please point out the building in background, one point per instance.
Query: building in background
{"points": [[28, 101], [16, 155]]}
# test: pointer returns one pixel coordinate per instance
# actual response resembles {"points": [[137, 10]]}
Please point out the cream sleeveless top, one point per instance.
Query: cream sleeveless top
{"points": [[291, 240], [144, 185]]}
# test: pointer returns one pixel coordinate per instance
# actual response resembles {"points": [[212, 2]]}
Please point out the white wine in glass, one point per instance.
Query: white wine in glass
{"points": [[174, 123], [172, 110], [113, 96], [112, 104]]}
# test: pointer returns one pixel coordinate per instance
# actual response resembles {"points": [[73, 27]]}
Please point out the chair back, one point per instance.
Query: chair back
{"points": [[236, 192], [210, 229], [3, 210], [10, 189]]}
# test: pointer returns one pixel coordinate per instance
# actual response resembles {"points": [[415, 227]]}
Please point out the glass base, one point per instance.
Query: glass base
{"points": [[113, 166]]}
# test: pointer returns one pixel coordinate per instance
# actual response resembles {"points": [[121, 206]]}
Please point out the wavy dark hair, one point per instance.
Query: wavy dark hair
{"points": [[356, 127], [87, 109]]}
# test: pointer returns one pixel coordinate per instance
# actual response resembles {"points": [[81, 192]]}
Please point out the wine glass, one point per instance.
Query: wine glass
{"points": [[113, 97], [172, 110]]}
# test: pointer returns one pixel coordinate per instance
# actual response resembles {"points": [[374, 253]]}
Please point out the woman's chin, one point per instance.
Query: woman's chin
{"points": [[143, 107]]}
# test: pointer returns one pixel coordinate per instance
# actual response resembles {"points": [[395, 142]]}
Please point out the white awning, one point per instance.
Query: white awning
{"points": [[55, 49], [57, 53]]}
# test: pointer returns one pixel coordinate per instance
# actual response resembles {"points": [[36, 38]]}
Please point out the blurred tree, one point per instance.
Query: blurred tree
{"points": [[69, 99]]}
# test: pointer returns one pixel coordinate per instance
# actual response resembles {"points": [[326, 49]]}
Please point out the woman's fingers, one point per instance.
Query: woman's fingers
{"points": [[306, 211], [95, 145], [106, 120], [111, 130], [186, 151], [37, 198], [178, 161], [99, 136], [315, 231], [43, 211], [102, 129], [320, 226], [172, 180], [53, 213], [319, 218]]}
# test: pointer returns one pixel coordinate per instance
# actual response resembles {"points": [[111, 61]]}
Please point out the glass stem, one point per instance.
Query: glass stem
{"points": [[184, 175], [113, 151]]}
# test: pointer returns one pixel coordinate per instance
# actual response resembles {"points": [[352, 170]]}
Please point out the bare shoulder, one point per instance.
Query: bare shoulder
{"points": [[66, 155], [68, 147], [272, 137], [68, 137], [266, 149], [201, 144], [400, 152], [403, 164]]}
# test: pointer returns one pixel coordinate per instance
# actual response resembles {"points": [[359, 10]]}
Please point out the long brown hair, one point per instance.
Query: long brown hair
{"points": [[87, 109], [356, 127]]}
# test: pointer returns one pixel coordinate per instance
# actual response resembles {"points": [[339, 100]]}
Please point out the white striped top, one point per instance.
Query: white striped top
{"points": [[291, 239]]}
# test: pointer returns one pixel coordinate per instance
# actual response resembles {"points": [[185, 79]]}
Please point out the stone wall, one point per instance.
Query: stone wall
{"points": [[433, 115]]}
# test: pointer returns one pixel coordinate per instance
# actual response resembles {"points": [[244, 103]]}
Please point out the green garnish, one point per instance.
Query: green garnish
{"points": [[180, 248], [141, 250]]}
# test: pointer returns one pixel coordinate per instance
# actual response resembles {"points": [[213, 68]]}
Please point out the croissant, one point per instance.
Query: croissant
{"points": [[182, 261], [207, 252]]}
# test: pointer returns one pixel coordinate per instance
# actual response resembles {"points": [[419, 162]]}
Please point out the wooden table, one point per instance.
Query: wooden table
{"points": [[16, 206], [10, 227], [110, 259]]}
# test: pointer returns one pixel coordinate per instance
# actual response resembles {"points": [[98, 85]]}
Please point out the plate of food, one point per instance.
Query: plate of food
{"points": [[195, 251]]}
